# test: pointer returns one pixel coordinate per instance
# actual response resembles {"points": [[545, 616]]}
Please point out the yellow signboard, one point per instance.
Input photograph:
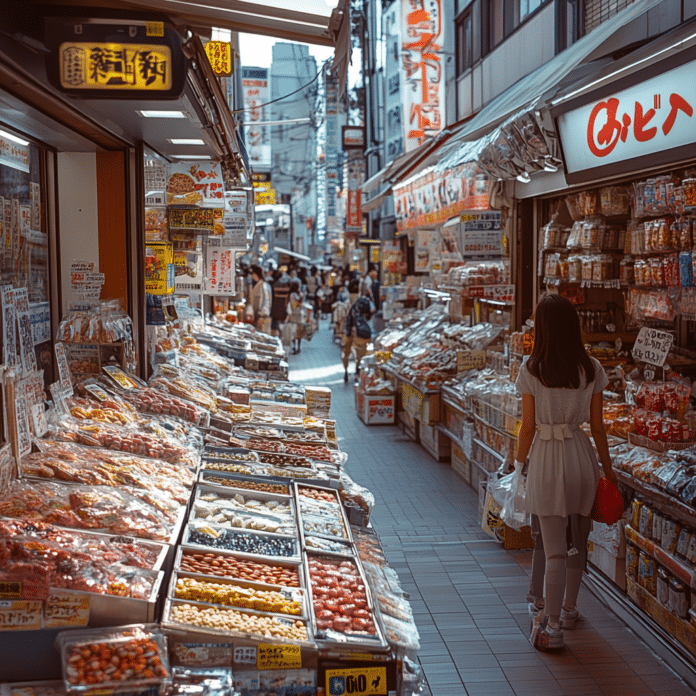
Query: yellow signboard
{"points": [[113, 66], [264, 194], [220, 57], [20, 616], [362, 681], [271, 656]]}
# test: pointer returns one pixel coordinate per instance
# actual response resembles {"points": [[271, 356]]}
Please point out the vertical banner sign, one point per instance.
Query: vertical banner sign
{"points": [[354, 215], [26, 342], [220, 268], [394, 123], [257, 137], [220, 56], [332, 145], [424, 89]]}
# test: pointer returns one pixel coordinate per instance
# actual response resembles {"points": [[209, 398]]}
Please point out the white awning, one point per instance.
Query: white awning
{"points": [[528, 93], [287, 252]]}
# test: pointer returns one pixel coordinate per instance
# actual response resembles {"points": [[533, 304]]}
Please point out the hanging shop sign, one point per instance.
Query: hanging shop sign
{"points": [[393, 123], [331, 152], [434, 197], [128, 60], [257, 137], [423, 37], [198, 220], [264, 193], [616, 131], [13, 153], [652, 346], [354, 212], [220, 56], [353, 137], [482, 235]]}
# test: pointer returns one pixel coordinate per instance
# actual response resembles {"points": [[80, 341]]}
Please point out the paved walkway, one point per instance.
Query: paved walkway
{"points": [[467, 592]]}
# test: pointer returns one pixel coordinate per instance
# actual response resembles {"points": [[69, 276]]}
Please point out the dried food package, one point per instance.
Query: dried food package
{"points": [[128, 658], [615, 200]]}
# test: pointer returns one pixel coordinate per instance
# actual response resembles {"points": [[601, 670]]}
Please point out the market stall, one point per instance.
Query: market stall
{"points": [[197, 527]]}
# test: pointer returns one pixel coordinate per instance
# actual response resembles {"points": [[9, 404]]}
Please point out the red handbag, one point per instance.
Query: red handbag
{"points": [[608, 505]]}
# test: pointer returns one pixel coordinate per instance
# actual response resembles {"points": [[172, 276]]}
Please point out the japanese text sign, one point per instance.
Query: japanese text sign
{"points": [[652, 346], [482, 236], [272, 656], [220, 56], [647, 118]]}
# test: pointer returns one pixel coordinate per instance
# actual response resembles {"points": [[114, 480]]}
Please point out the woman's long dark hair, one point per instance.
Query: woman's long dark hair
{"points": [[558, 354]]}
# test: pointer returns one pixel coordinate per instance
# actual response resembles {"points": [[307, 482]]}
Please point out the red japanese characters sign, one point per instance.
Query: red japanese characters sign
{"points": [[423, 37], [220, 56], [648, 118]]}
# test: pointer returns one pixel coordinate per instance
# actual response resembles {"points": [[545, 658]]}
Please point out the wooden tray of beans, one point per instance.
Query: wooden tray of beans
{"points": [[223, 478]]}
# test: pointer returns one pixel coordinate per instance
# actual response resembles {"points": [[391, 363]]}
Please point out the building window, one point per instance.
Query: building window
{"points": [[500, 18], [464, 44], [598, 11]]}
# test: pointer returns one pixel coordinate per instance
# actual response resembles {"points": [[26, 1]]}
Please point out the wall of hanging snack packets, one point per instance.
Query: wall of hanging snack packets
{"points": [[197, 529]]}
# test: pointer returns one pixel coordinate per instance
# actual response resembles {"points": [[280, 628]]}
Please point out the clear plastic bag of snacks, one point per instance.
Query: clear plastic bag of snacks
{"points": [[614, 200], [689, 192], [636, 233], [670, 267], [551, 235], [593, 233], [657, 271], [589, 202], [574, 209], [574, 236], [574, 268], [551, 266], [587, 267], [125, 658], [626, 271]]}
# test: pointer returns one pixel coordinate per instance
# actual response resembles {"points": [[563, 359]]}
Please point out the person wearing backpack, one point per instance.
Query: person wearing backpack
{"points": [[357, 333]]}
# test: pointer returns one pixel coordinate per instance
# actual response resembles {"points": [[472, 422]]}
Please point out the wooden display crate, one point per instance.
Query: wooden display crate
{"points": [[423, 406], [435, 442]]}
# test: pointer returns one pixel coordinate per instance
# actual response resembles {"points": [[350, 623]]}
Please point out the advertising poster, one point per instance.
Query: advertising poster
{"points": [[195, 183], [256, 91]]}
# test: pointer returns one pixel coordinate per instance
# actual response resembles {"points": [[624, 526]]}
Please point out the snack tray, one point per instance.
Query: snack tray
{"points": [[347, 539], [226, 493], [205, 474], [277, 561], [375, 642], [254, 556], [297, 593], [225, 634]]}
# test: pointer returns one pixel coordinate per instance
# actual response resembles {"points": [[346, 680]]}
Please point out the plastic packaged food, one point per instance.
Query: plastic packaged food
{"points": [[614, 200], [678, 599], [647, 573], [127, 658], [632, 561], [663, 580], [626, 272]]}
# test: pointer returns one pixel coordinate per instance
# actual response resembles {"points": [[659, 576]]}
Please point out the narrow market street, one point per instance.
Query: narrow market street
{"points": [[467, 592]]}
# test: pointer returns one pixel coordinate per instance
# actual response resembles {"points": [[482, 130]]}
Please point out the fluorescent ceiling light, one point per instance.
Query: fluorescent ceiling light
{"points": [[186, 141], [162, 114], [193, 157], [13, 138]]}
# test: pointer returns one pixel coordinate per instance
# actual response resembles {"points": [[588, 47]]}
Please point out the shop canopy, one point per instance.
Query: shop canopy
{"points": [[531, 92], [287, 252]]}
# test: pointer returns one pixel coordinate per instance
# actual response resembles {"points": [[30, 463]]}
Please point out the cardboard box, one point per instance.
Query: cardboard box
{"points": [[606, 562], [377, 409]]}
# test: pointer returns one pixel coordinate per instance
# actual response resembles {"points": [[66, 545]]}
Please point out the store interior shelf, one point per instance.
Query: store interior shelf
{"points": [[483, 445], [625, 336], [457, 440], [417, 387], [666, 504], [452, 399]]}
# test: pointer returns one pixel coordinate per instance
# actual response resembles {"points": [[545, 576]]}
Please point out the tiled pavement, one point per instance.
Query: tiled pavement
{"points": [[467, 592]]}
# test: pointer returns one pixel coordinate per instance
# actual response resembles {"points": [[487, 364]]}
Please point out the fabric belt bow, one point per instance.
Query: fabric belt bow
{"points": [[554, 432]]}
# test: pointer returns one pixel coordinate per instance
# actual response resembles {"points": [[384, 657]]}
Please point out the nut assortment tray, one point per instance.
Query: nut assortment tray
{"points": [[244, 484], [323, 526], [255, 544]]}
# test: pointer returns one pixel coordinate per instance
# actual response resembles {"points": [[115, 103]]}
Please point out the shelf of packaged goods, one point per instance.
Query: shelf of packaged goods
{"points": [[666, 504], [453, 400], [489, 449], [497, 419], [450, 435], [625, 336]]}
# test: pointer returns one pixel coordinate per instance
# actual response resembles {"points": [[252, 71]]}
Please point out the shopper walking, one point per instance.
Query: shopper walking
{"points": [[313, 283], [279, 304], [561, 389], [357, 333], [261, 297], [295, 314]]}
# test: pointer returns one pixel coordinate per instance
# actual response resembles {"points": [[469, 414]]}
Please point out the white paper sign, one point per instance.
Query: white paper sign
{"points": [[652, 346]]}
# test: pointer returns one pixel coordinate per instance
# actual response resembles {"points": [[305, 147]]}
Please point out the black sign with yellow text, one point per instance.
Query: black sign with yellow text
{"points": [[135, 59]]}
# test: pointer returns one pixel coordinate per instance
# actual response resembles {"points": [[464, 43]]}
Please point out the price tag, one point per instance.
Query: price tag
{"points": [[366, 681], [20, 616], [64, 608], [270, 656], [652, 346], [649, 373]]}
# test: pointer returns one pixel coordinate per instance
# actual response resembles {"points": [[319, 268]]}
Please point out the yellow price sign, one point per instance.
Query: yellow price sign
{"points": [[361, 681], [65, 608], [271, 656]]}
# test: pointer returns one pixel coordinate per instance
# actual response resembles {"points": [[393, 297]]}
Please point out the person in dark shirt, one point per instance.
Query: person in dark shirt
{"points": [[357, 333], [280, 289]]}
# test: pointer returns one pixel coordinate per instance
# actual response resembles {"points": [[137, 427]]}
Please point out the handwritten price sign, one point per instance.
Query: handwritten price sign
{"points": [[652, 346]]}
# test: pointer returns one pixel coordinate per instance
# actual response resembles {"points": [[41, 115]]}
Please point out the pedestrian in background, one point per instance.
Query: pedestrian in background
{"points": [[279, 304], [261, 297], [295, 314], [357, 334], [561, 387]]}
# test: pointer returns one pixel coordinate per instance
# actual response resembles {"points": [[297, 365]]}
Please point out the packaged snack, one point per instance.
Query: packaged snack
{"points": [[656, 533], [645, 522], [678, 598], [684, 536], [130, 657], [663, 594], [647, 573], [636, 506], [632, 561], [686, 274]]}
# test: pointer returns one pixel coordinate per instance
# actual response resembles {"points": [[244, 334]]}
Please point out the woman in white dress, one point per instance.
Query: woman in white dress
{"points": [[561, 389]]}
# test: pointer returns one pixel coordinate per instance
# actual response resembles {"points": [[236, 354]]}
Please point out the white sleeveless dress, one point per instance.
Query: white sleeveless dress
{"points": [[563, 469]]}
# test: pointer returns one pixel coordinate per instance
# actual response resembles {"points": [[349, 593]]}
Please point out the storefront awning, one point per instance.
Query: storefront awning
{"points": [[531, 91], [287, 252]]}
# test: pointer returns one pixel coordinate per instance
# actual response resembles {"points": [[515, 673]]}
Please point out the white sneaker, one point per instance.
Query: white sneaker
{"points": [[569, 618], [543, 637], [535, 613]]}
